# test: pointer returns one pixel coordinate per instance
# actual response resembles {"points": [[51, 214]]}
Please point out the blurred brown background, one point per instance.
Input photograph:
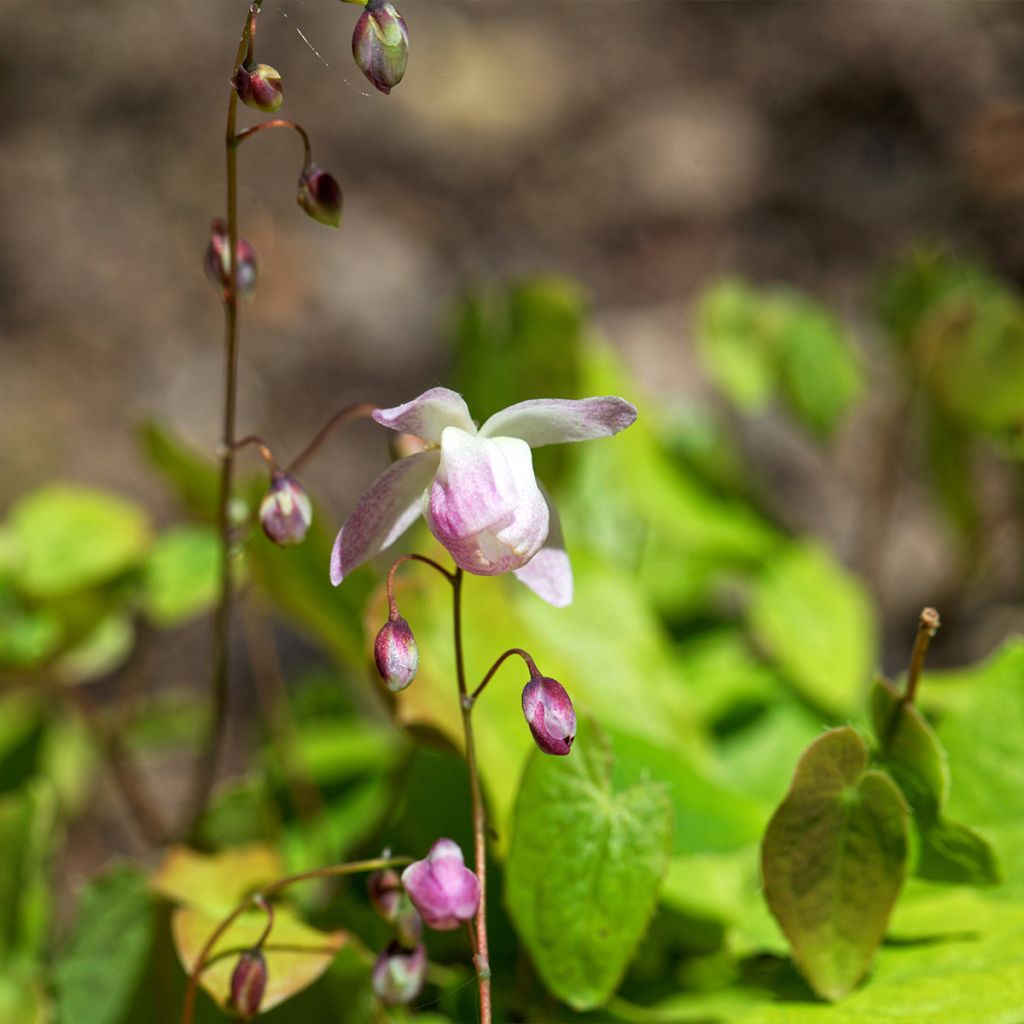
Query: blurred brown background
{"points": [[642, 148]]}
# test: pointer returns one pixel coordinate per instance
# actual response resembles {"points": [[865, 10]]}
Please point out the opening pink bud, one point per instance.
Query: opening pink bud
{"points": [[320, 196], [285, 511], [396, 654], [380, 45], [217, 262], [385, 888], [399, 973], [549, 714], [442, 888], [248, 982], [260, 88]]}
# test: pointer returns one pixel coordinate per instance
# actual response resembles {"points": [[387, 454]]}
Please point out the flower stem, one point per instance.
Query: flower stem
{"points": [[927, 626], [482, 958], [530, 664], [346, 415], [206, 764], [279, 122], [259, 899]]}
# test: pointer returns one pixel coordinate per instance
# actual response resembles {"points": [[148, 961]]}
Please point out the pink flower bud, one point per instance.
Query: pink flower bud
{"points": [[442, 888], [217, 262], [549, 714], [285, 511], [248, 981], [385, 888], [259, 87], [320, 196], [399, 973], [396, 654], [380, 45]]}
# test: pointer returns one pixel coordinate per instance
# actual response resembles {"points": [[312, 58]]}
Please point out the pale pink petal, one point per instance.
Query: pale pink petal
{"points": [[549, 573], [428, 415], [485, 506], [559, 420], [384, 512]]}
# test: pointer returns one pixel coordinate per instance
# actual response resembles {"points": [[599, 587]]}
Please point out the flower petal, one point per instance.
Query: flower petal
{"points": [[383, 513], [428, 415], [559, 420], [549, 573], [485, 506]]}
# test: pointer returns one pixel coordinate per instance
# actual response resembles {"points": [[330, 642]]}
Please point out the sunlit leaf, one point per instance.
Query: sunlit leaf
{"points": [[219, 881], [584, 868], [834, 858], [113, 929], [69, 537], [296, 954], [182, 574], [104, 648], [815, 620]]}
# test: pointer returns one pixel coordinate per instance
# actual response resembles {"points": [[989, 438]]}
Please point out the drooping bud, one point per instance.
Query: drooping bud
{"points": [[408, 925], [380, 45], [442, 888], [285, 511], [399, 973], [385, 888], [259, 87], [549, 714], [396, 654], [217, 262], [320, 195], [248, 982]]}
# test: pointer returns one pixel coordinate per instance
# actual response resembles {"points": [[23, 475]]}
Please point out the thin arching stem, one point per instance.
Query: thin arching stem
{"points": [[534, 673], [351, 412], [482, 958], [278, 122], [264, 449], [259, 899], [401, 560]]}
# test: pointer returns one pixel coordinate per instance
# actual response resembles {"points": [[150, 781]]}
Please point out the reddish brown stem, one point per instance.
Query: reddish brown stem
{"points": [[927, 627]]}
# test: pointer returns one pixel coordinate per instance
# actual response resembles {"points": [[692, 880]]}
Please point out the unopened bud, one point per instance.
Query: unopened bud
{"points": [[399, 973], [217, 262], [408, 925], [396, 654], [380, 45], [285, 511], [320, 196], [442, 888], [385, 888], [549, 714], [248, 982], [259, 87]]}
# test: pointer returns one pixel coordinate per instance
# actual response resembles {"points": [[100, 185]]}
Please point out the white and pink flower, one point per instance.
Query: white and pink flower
{"points": [[476, 487]]}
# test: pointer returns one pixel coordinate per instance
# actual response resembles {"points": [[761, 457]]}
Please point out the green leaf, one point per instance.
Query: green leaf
{"points": [[815, 620], [191, 473], [70, 537], [182, 574], [950, 852], [833, 859], [219, 881], [584, 868], [97, 972], [910, 751], [106, 646]]}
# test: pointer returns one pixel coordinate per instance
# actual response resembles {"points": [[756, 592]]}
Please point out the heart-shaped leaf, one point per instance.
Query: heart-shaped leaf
{"points": [[833, 859], [584, 868], [216, 882], [951, 852]]}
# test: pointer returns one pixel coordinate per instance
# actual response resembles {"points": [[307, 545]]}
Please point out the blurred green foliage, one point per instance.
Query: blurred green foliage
{"points": [[708, 645]]}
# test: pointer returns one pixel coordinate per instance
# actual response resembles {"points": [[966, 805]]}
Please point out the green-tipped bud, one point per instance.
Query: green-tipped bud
{"points": [[217, 262], [260, 88], [380, 45], [320, 196]]}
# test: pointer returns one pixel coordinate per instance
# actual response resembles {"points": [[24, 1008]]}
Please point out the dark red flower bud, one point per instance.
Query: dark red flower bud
{"points": [[260, 88], [248, 982], [386, 893], [380, 45], [396, 654], [285, 511], [217, 262], [320, 196], [549, 714], [399, 973]]}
